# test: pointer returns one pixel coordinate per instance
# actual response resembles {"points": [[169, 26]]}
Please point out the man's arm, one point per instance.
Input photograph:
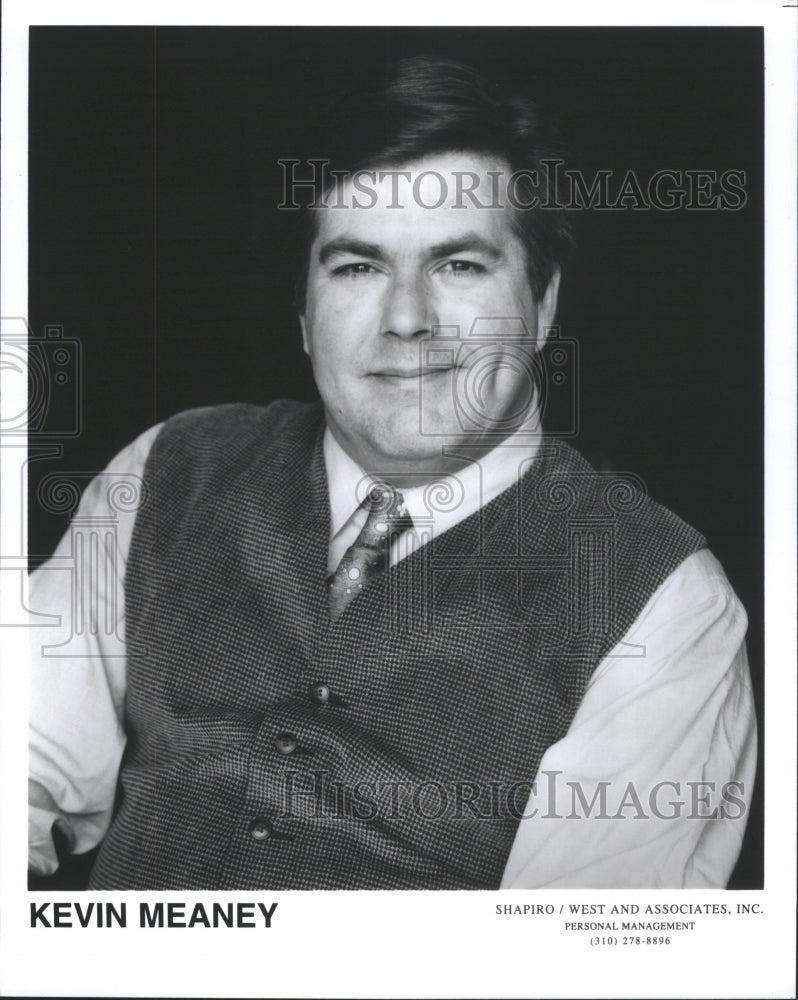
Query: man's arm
{"points": [[77, 670], [669, 730]]}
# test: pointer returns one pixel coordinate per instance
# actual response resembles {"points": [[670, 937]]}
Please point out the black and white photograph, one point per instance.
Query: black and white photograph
{"points": [[391, 487]]}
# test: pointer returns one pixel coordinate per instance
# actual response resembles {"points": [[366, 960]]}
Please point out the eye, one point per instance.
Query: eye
{"points": [[462, 268], [355, 270]]}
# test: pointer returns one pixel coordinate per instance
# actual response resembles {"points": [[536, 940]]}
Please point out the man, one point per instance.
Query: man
{"points": [[401, 639]]}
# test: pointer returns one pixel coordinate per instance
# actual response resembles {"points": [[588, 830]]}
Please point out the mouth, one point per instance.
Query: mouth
{"points": [[401, 376]]}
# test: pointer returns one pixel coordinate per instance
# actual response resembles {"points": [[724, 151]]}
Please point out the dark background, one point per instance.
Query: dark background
{"points": [[155, 243]]}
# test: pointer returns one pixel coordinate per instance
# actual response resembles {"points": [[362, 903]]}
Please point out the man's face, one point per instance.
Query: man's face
{"points": [[388, 286]]}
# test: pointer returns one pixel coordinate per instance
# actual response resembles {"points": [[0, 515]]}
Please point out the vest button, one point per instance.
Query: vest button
{"points": [[285, 743], [320, 693], [260, 829]]}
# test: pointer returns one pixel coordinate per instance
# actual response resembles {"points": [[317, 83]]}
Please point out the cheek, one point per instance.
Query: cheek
{"points": [[500, 300], [323, 325], [334, 347], [337, 316]]}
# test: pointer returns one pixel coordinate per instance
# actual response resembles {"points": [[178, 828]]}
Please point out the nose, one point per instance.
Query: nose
{"points": [[407, 310]]}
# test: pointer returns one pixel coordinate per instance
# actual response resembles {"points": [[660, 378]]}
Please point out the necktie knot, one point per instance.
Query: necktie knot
{"points": [[386, 513], [367, 557]]}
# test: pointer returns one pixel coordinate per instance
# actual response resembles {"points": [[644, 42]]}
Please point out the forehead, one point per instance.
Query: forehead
{"points": [[421, 203]]}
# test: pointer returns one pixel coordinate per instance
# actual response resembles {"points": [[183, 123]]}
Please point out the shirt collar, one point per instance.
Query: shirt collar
{"points": [[447, 500]]}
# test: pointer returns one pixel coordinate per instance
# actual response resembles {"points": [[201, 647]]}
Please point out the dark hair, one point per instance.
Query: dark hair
{"points": [[424, 106]]}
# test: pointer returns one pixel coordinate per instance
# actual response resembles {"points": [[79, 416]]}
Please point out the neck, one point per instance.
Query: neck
{"points": [[453, 456]]}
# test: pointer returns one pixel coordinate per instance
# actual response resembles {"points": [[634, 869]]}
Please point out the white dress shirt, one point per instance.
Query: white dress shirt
{"points": [[664, 735]]}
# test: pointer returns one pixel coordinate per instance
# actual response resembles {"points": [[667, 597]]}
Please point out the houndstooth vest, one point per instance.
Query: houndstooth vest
{"points": [[269, 747]]}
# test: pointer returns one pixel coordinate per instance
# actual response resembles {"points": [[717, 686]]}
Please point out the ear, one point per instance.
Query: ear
{"points": [[303, 327], [547, 307]]}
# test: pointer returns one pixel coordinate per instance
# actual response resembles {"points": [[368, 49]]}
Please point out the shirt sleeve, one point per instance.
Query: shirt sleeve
{"points": [[77, 664], [650, 787]]}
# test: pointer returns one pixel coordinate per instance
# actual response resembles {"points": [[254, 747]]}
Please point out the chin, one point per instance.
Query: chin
{"points": [[411, 449]]}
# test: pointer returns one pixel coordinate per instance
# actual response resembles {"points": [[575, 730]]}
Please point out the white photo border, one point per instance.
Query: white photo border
{"points": [[408, 943]]}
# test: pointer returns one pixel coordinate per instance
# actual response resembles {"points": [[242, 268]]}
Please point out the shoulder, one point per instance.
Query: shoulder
{"points": [[688, 641], [229, 421], [699, 597], [566, 480], [637, 542], [236, 432], [212, 461]]}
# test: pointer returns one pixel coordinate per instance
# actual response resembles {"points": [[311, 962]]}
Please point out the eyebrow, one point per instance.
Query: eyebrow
{"points": [[346, 245], [466, 243]]}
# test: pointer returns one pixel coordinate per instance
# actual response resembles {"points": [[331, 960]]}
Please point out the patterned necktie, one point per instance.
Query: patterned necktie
{"points": [[367, 557]]}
